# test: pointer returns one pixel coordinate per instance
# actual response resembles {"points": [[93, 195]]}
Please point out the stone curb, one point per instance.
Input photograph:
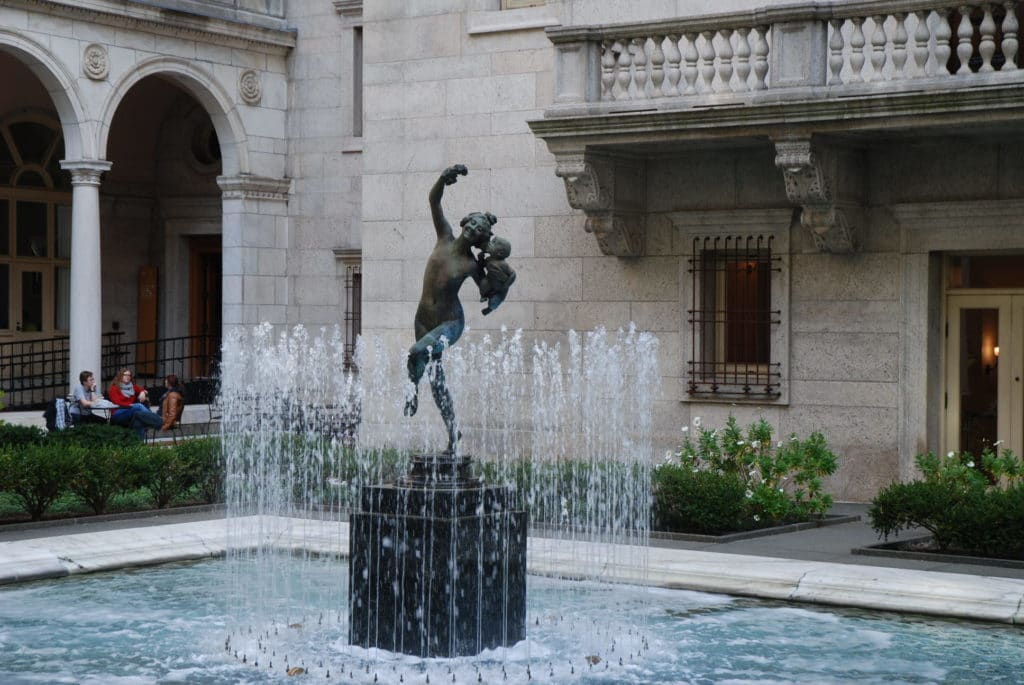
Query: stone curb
{"points": [[891, 550], [888, 589]]}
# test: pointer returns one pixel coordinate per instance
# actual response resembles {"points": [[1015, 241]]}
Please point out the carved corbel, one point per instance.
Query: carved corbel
{"points": [[610, 191], [811, 173]]}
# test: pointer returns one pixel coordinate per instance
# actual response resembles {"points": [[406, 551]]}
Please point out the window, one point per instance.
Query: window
{"points": [[353, 311], [732, 318], [357, 81], [35, 226]]}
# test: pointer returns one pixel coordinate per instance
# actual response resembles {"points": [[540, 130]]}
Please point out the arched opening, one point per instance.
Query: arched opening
{"points": [[161, 231]]}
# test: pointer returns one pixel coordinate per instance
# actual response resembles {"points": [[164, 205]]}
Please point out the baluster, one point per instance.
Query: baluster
{"points": [[899, 46], [857, 44], [674, 58], [943, 35], [761, 58], [742, 60], [608, 61], [725, 55], [640, 67], [690, 70], [921, 36], [964, 34], [657, 66], [707, 59], [835, 47], [987, 46], [1010, 28], [878, 41], [622, 75]]}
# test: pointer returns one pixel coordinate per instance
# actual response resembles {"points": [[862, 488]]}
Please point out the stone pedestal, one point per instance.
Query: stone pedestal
{"points": [[437, 564]]}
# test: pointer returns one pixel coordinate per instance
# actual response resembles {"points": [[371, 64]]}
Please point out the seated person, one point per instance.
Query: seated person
{"points": [[172, 404], [130, 399], [86, 394]]}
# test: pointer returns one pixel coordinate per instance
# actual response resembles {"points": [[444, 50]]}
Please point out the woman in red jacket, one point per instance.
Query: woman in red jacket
{"points": [[130, 398]]}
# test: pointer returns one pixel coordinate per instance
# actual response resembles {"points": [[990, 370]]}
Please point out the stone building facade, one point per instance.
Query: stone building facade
{"points": [[814, 206], [799, 199]]}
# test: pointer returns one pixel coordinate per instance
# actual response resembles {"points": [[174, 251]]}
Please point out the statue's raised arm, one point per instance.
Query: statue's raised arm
{"points": [[447, 178]]}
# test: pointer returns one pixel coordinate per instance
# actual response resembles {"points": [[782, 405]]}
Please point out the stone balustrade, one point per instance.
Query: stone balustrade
{"points": [[708, 59]]}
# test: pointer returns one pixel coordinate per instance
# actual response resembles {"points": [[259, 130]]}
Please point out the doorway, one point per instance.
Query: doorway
{"points": [[205, 275]]}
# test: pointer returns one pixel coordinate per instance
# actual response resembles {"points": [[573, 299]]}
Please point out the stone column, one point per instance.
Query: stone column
{"points": [[255, 249], [86, 344]]}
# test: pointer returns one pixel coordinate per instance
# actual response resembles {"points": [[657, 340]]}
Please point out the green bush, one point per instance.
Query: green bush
{"points": [[972, 506], [205, 457], [165, 474], [698, 501], [781, 481], [13, 435], [103, 472], [37, 475], [95, 435]]}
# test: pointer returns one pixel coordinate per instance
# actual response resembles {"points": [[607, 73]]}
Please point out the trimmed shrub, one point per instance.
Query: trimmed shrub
{"points": [[205, 457], [37, 474], [13, 435], [698, 501], [970, 506], [95, 436], [781, 481], [103, 472], [163, 472]]}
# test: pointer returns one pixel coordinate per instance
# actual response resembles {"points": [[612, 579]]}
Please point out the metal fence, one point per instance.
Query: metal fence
{"points": [[33, 372]]}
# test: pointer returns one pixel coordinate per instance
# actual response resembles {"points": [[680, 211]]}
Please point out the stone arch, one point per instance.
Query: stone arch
{"points": [[205, 89], [78, 129]]}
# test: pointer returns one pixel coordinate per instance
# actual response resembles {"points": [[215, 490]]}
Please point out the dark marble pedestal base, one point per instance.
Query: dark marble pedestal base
{"points": [[437, 564]]}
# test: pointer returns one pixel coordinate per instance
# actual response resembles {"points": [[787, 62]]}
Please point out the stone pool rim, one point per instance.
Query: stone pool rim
{"points": [[934, 593]]}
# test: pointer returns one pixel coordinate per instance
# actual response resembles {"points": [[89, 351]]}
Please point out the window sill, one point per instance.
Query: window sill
{"points": [[352, 145], [499, 21]]}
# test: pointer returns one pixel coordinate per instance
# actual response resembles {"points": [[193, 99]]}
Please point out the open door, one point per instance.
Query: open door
{"points": [[205, 274]]}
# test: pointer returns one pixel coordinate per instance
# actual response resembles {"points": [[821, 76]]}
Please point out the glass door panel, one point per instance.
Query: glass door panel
{"points": [[979, 379], [31, 301]]}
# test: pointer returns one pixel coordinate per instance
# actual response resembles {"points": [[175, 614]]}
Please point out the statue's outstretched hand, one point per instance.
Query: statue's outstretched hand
{"points": [[451, 174]]}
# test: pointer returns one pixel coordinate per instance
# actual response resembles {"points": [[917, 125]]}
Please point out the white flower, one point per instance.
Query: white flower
{"points": [[749, 494], [779, 444], [755, 444], [697, 470], [756, 517], [740, 442], [970, 464], [668, 455], [686, 429], [780, 489], [949, 455], [997, 443], [696, 422]]}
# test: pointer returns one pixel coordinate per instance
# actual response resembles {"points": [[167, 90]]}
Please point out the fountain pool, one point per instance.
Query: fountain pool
{"points": [[167, 625]]}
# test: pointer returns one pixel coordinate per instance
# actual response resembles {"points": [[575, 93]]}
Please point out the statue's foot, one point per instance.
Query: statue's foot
{"points": [[411, 405]]}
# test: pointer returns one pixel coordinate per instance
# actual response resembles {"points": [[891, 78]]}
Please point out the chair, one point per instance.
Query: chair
{"points": [[215, 415]]}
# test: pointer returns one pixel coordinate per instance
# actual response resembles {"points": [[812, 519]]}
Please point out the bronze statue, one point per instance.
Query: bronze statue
{"points": [[439, 318], [498, 275]]}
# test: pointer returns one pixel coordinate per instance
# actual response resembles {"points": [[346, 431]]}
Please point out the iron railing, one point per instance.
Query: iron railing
{"points": [[33, 372]]}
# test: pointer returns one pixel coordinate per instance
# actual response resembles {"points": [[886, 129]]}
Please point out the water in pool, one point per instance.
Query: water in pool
{"points": [[169, 624]]}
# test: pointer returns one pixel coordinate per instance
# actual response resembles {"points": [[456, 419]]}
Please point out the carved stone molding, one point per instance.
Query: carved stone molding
{"points": [[95, 62], [85, 172], [351, 8], [249, 187], [610, 190], [249, 87], [811, 173]]}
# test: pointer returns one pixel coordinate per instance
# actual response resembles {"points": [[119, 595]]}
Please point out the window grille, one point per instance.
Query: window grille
{"points": [[731, 318], [353, 312]]}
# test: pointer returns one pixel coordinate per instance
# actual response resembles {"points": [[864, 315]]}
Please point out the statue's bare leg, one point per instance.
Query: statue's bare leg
{"points": [[428, 348], [443, 400]]}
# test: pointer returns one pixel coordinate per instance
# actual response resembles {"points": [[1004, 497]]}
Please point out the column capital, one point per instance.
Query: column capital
{"points": [[85, 171], [251, 187]]}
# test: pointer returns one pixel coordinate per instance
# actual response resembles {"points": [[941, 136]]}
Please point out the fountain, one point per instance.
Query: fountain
{"points": [[437, 539], [437, 560]]}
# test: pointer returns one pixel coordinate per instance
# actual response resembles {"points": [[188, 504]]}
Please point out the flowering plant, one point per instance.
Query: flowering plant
{"points": [[782, 480]]}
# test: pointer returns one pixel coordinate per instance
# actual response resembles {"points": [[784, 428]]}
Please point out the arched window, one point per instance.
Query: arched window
{"points": [[35, 226]]}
